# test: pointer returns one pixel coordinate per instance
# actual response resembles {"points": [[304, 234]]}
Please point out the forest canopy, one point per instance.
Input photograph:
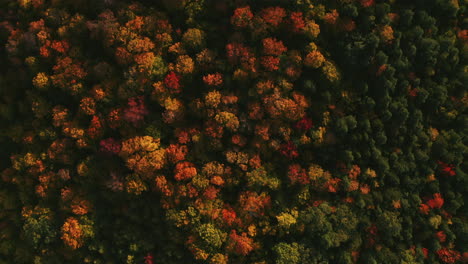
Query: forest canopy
{"points": [[234, 131]]}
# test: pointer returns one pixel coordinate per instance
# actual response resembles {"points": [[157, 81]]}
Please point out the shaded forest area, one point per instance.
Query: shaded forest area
{"points": [[235, 131]]}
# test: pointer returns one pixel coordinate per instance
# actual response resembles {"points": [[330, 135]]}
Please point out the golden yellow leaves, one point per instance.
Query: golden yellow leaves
{"points": [[227, 119], [139, 144], [135, 185], [315, 59], [312, 30], [184, 65], [143, 155], [41, 81], [213, 99], [286, 219], [330, 71], [316, 172]]}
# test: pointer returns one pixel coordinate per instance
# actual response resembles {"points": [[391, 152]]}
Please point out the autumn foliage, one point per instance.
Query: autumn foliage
{"points": [[234, 131]]}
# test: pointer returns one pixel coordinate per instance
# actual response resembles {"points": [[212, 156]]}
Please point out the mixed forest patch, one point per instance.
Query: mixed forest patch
{"points": [[233, 131]]}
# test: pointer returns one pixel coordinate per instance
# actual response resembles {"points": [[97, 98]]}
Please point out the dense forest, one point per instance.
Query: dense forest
{"points": [[233, 131]]}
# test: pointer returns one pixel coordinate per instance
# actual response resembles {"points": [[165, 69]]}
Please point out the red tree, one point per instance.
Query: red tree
{"points": [[172, 82], [304, 124], [297, 174], [297, 21], [448, 255], [110, 145], [273, 15], [436, 202], [272, 46], [136, 110], [289, 150], [241, 17], [240, 244]]}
